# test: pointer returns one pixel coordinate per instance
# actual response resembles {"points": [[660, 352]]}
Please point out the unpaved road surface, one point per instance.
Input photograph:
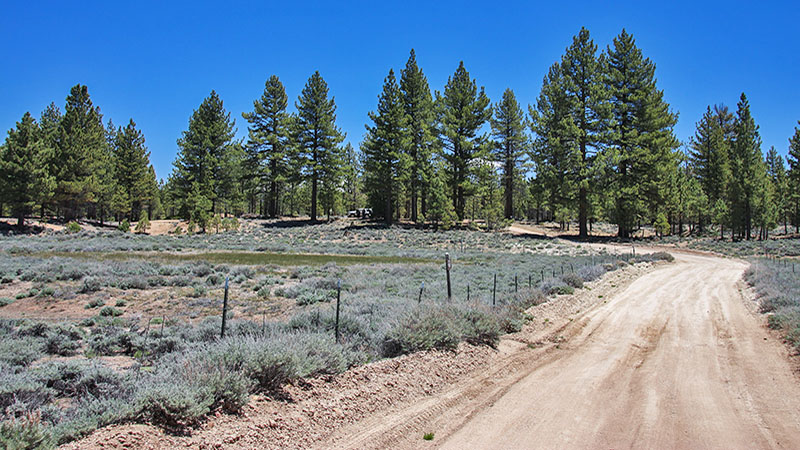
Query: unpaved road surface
{"points": [[675, 360]]}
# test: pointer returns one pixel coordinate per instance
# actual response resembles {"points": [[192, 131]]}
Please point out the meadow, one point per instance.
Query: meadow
{"points": [[111, 327]]}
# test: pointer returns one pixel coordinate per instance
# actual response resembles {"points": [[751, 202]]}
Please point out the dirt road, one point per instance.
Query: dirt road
{"points": [[675, 360]]}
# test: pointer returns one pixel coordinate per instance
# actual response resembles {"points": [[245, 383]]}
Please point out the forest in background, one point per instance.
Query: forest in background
{"points": [[597, 146]]}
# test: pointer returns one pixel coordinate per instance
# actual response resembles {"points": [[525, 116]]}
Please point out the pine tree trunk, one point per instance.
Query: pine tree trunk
{"points": [[314, 195], [509, 192]]}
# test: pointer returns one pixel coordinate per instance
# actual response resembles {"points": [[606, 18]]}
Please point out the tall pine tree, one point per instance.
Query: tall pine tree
{"points": [[268, 140], [642, 142], [462, 111], [793, 158], [511, 142], [420, 127], [317, 138], [710, 154], [132, 169], [23, 170], [384, 148], [589, 109], [203, 166], [747, 169], [555, 151], [80, 154]]}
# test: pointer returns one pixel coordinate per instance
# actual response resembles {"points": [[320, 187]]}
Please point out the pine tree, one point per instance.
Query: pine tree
{"points": [[384, 148], [144, 222], [555, 151], [793, 158], [420, 127], [202, 172], [462, 111], [587, 98], [49, 124], [642, 140], [747, 169], [131, 161], [776, 171], [268, 140], [508, 129], [317, 137], [353, 172], [440, 211], [23, 169], [710, 154], [80, 154]]}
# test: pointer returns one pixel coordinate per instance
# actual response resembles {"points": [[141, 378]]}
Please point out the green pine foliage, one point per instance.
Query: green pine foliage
{"points": [[588, 108], [267, 147], [793, 159], [317, 139], [79, 155], [641, 141], [23, 169], [748, 181], [204, 169], [554, 152], [511, 142], [133, 183], [462, 111], [421, 133], [384, 148]]}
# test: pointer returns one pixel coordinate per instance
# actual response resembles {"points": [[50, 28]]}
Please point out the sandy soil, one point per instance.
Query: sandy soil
{"points": [[676, 360]]}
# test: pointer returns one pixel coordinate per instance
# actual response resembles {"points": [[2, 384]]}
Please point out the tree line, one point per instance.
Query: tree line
{"points": [[597, 145]]}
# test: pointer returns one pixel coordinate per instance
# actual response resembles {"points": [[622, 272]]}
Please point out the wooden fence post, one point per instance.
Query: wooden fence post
{"points": [[338, 300], [447, 269], [224, 309]]}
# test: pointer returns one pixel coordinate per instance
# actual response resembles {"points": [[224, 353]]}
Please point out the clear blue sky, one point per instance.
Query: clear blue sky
{"points": [[156, 61]]}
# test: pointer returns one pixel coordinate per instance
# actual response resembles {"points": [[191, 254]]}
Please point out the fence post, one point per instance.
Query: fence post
{"points": [[338, 299], [542, 275], [516, 285], [494, 290], [163, 319], [419, 300], [530, 282], [447, 269], [467, 292], [224, 309]]}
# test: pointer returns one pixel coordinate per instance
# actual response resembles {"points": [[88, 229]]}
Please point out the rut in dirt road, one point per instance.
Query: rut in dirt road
{"points": [[676, 360]]}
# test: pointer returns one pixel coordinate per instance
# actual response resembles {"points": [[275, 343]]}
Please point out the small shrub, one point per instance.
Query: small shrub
{"points": [[427, 436], [47, 291], [95, 303], [110, 311], [20, 352], [198, 291], [423, 329], [572, 280], [124, 226], [172, 405], [90, 284], [26, 433], [73, 227], [121, 303], [5, 301]]}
